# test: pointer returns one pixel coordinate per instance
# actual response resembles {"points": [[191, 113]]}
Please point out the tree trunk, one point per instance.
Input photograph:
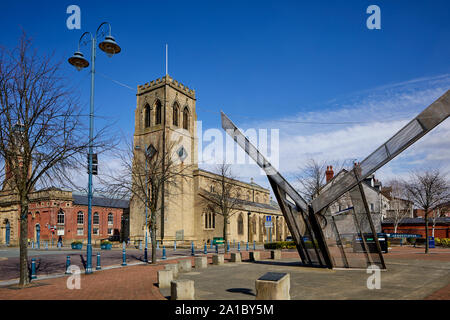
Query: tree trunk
{"points": [[225, 231], [23, 243], [426, 232], [395, 228], [153, 236]]}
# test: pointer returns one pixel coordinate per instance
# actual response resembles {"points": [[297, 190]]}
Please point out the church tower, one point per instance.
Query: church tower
{"points": [[165, 118]]}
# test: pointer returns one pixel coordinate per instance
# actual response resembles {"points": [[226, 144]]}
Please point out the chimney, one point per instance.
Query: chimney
{"points": [[329, 173]]}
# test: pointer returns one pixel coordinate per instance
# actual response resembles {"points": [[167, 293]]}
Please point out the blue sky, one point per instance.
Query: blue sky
{"points": [[259, 61]]}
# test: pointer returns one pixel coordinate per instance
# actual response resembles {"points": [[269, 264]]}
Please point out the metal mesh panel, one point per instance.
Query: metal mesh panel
{"points": [[251, 150], [368, 245], [369, 164], [336, 189], [402, 138]]}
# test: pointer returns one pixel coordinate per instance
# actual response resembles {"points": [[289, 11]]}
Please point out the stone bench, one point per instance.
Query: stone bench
{"points": [[218, 259], [273, 286], [236, 257], [185, 265], [174, 268], [275, 254], [165, 277], [201, 262], [255, 256], [182, 290]]}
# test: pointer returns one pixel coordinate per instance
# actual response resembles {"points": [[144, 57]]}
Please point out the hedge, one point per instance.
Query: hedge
{"points": [[287, 245], [444, 242]]}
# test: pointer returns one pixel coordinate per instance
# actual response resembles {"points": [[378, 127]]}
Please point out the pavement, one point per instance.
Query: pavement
{"points": [[410, 275]]}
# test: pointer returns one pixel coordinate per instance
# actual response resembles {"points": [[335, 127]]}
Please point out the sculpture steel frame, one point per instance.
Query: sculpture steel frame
{"points": [[308, 221]]}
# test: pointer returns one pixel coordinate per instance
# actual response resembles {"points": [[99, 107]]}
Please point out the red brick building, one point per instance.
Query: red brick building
{"points": [[55, 213], [417, 226]]}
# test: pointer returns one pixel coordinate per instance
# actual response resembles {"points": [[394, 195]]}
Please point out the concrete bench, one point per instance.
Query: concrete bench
{"points": [[185, 265], [201, 262], [165, 277], [182, 290], [275, 254], [255, 256], [174, 268], [273, 286], [218, 259], [236, 257]]}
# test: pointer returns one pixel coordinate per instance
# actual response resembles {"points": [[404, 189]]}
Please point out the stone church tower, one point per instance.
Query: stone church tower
{"points": [[165, 114]]}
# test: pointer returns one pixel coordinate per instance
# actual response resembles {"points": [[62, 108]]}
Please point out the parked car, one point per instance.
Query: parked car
{"points": [[289, 238]]}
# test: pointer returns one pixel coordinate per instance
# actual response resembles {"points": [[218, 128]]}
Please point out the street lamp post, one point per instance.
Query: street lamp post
{"points": [[110, 47]]}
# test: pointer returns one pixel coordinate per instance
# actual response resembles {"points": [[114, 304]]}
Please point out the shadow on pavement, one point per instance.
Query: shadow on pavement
{"points": [[242, 290]]}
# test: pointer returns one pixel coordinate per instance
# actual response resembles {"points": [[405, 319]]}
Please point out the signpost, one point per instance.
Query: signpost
{"points": [[269, 225]]}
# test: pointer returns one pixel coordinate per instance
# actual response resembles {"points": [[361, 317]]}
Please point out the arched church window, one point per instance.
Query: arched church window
{"points": [[158, 112], [240, 224], [186, 118], [176, 110], [147, 116]]}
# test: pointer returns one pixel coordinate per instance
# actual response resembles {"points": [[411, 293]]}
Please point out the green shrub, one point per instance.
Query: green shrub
{"points": [[280, 245], [106, 242], [444, 242], [77, 242]]}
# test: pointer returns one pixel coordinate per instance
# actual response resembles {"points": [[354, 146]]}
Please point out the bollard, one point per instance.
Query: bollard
{"points": [[164, 278], [217, 248], [212, 245], [46, 245], [228, 246], [164, 253], [68, 265], [33, 268], [157, 245], [247, 246], [205, 250], [98, 262], [192, 249], [239, 246], [254, 245], [124, 255], [140, 245], [273, 286], [175, 245], [182, 290], [234, 243], [32, 245]]}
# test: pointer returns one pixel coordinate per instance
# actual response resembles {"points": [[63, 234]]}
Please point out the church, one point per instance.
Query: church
{"points": [[166, 112]]}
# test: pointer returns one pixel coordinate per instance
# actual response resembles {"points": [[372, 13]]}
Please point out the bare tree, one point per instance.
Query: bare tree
{"points": [[42, 137], [439, 211], [143, 175], [399, 206], [222, 197], [312, 177], [427, 190]]}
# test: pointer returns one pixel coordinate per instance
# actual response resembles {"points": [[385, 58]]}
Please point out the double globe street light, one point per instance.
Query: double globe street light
{"points": [[110, 47]]}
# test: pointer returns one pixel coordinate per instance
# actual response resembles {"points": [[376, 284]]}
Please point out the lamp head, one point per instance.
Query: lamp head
{"points": [[78, 61], [109, 46]]}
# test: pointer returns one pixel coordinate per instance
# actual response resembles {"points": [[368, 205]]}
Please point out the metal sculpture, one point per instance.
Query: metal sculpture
{"points": [[351, 238]]}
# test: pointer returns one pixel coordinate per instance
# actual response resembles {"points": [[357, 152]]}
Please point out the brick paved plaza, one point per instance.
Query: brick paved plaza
{"points": [[411, 275]]}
